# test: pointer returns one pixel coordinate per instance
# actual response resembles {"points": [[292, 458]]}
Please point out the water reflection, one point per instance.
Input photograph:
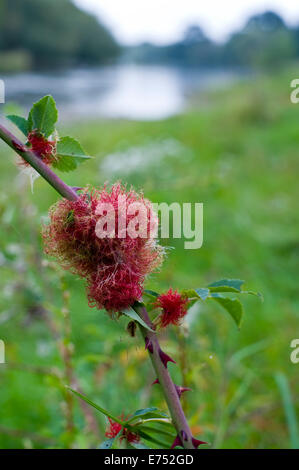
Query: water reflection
{"points": [[123, 91]]}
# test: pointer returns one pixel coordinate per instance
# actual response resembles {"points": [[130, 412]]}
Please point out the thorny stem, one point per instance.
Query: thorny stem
{"points": [[43, 169], [168, 387]]}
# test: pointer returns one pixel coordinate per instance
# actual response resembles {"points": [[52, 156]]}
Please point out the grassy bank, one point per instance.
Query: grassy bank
{"points": [[237, 152]]}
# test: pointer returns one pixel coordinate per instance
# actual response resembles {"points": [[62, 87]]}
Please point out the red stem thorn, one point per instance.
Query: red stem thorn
{"points": [[156, 382], [181, 390], [197, 443], [165, 358], [177, 442]]}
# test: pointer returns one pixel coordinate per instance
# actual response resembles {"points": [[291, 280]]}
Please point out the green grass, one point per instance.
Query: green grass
{"points": [[238, 155]]}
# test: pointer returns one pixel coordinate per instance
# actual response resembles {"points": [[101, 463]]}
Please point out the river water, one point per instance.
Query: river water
{"points": [[138, 92]]}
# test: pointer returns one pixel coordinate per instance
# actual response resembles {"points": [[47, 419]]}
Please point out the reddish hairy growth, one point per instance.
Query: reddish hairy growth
{"points": [[114, 266], [174, 308], [43, 148], [114, 429]]}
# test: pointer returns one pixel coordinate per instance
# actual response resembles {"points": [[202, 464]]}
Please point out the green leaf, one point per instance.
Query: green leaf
{"points": [[43, 116], [97, 407], [150, 438], [189, 293], [130, 312], [250, 292], [69, 154], [147, 413], [203, 293], [232, 306], [139, 445], [20, 122], [226, 285], [162, 431], [150, 298], [151, 294]]}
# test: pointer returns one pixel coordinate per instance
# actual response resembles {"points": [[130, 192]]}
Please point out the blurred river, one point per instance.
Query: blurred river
{"points": [[138, 92]]}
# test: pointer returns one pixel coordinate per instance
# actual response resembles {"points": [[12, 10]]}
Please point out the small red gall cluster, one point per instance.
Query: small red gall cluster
{"points": [[115, 267], [114, 429], [174, 308], [43, 148]]}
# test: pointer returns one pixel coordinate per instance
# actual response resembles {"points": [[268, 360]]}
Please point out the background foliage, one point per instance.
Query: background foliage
{"points": [[238, 155], [49, 33], [55, 33]]}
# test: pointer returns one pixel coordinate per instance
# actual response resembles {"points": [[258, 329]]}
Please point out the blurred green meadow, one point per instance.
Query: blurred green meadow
{"points": [[235, 150]]}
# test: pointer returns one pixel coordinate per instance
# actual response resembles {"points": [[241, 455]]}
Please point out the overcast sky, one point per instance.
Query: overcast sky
{"points": [[163, 21]]}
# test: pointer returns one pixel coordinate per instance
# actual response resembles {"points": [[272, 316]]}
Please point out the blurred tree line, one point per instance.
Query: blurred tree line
{"points": [[47, 33], [265, 41], [53, 33]]}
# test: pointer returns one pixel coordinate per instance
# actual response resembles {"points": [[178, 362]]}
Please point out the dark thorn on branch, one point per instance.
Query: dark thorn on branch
{"points": [[165, 358], [177, 442], [197, 443], [181, 390]]}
